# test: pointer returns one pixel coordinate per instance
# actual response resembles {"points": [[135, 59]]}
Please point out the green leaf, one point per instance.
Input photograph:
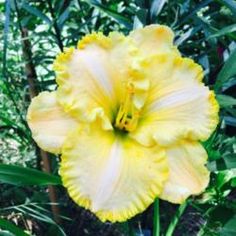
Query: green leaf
{"points": [[18, 175], [229, 120], [137, 23], [223, 177], [229, 228], [188, 34], [225, 163], [140, 18], [5, 233], [224, 31], [192, 12], [156, 7], [231, 4], [141, 3], [34, 210], [64, 16], [228, 70], [233, 182], [36, 12], [7, 225], [115, 15], [225, 100]]}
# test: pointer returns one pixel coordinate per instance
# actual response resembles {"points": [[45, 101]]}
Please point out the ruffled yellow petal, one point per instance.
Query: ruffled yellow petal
{"points": [[48, 122], [110, 174], [179, 105], [97, 75], [154, 39], [188, 174]]}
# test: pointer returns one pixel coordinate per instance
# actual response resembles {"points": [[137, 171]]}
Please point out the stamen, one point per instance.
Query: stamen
{"points": [[127, 117]]}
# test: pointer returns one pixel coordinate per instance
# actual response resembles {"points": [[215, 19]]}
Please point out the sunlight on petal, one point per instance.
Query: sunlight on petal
{"points": [[96, 74], [110, 174], [48, 122], [179, 105], [154, 39], [188, 174]]}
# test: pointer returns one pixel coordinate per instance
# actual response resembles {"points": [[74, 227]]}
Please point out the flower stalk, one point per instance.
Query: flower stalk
{"points": [[156, 218], [176, 219]]}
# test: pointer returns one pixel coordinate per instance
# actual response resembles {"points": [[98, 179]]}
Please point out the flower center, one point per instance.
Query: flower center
{"points": [[127, 116]]}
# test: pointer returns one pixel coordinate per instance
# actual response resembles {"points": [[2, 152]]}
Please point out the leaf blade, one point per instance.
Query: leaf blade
{"points": [[5, 224], [115, 15], [18, 175], [226, 30], [228, 70], [36, 12]]}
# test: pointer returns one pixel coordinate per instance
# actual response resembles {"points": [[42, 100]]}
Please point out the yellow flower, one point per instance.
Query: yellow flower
{"points": [[127, 118]]}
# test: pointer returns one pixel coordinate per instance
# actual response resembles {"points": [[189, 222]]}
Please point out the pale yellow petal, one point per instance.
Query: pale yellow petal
{"points": [[113, 176], [96, 75], [179, 105], [48, 122], [188, 174], [154, 39]]}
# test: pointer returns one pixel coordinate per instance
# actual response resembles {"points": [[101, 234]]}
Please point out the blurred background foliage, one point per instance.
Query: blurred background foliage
{"points": [[32, 33]]}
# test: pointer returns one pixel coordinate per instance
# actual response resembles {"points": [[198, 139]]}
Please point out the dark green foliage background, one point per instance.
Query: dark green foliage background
{"points": [[205, 31]]}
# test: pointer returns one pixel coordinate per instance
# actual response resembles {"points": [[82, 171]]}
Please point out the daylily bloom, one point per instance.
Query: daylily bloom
{"points": [[128, 117]]}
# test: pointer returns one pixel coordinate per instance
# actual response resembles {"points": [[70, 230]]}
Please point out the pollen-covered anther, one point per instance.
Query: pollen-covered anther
{"points": [[126, 121], [130, 88], [127, 116]]}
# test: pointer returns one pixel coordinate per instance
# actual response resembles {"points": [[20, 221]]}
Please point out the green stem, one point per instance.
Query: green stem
{"points": [[175, 219], [156, 218]]}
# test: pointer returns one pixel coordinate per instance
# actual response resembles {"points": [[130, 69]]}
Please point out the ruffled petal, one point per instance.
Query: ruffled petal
{"points": [[110, 174], [188, 174], [179, 105], [154, 39], [97, 75], [48, 122]]}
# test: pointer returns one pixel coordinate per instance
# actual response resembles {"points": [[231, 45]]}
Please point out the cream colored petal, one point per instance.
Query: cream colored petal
{"points": [[179, 105], [188, 174], [113, 176], [96, 75], [154, 39], [48, 122]]}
